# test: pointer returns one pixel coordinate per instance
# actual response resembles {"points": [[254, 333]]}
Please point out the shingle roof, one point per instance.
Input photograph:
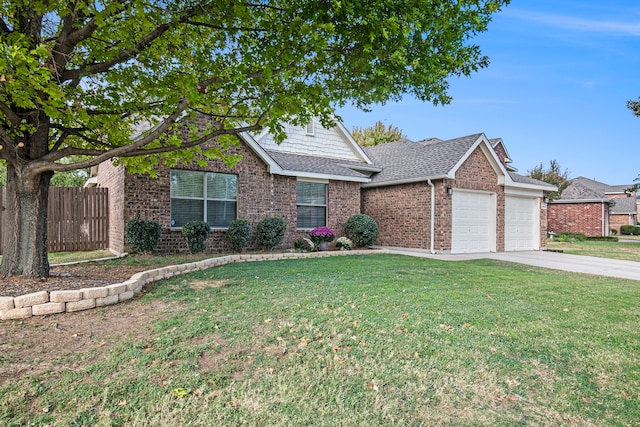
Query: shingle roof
{"points": [[528, 180], [406, 160], [623, 205], [319, 165], [578, 191], [585, 188]]}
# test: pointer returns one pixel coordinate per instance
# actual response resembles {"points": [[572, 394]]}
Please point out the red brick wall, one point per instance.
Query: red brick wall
{"points": [[585, 218], [112, 177], [402, 213], [260, 195], [502, 155], [615, 221], [544, 215]]}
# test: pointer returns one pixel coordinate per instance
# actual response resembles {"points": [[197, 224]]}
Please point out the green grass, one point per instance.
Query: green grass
{"points": [[359, 341], [629, 251]]}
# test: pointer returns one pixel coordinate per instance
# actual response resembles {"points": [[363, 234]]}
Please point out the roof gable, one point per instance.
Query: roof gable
{"points": [[406, 161], [327, 154], [315, 140]]}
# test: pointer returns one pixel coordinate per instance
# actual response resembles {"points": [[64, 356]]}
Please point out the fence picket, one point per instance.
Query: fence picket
{"points": [[78, 218]]}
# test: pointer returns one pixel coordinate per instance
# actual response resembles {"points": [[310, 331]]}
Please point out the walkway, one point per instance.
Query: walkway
{"points": [[554, 260]]}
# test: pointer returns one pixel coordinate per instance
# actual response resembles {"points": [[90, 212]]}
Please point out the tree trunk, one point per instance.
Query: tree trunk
{"points": [[24, 228]]}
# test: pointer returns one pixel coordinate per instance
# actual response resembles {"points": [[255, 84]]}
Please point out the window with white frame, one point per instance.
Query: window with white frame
{"points": [[203, 196], [311, 204]]}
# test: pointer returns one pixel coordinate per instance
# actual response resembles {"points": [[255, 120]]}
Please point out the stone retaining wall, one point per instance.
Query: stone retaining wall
{"points": [[45, 302]]}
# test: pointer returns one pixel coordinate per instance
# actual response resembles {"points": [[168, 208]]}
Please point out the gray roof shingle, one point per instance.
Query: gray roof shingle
{"points": [[582, 188], [319, 165], [528, 180], [405, 160], [623, 205]]}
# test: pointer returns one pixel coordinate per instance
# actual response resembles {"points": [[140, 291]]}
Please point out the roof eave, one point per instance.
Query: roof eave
{"points": [[403, 181], [313, 175]]}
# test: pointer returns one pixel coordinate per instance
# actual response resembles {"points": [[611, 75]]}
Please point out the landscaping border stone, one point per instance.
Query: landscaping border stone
{"points": [[45, 303]]}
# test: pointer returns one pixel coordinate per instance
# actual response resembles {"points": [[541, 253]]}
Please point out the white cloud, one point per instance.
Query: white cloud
{"points": [[616, 27]]}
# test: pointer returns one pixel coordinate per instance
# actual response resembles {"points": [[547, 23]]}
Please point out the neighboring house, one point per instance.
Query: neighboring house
{"points": [[454, 196], [447, 196], [592, 208]]}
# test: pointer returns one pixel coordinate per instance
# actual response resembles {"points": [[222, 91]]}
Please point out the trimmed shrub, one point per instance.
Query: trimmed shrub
{"points": [[304, 245], [270, 232], [238, 235], [142, 235], [344, 243], [362, 230], [570, 237], [195, 233], [636, 230], [627, 230]]}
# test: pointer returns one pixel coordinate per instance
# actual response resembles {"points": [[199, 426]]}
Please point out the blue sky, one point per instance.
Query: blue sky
{"points": [[560, 75]]}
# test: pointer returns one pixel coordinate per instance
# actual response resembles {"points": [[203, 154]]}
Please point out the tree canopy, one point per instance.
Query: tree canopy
{"points": [[553, 175], [92, 80], [90, 74], [376, 134], [634, 106]]}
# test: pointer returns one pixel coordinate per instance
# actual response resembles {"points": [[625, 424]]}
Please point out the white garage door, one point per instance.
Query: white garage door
{"points": [[473, 222], [521, 224]]}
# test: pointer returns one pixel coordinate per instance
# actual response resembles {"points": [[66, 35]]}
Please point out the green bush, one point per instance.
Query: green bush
{"points": [[142, 235], [304, 245], [627, 230], [614, 231], [239, 234], [570, 237], [195, 233], [270, 232], [636, 230], [362, 230]]}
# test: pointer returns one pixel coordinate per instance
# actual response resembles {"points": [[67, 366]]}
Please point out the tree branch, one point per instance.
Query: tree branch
{"points": [[11, 115]]}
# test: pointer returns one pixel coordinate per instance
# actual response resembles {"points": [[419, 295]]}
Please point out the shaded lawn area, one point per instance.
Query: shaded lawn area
{"points": [[629, 251], [357, 341]]}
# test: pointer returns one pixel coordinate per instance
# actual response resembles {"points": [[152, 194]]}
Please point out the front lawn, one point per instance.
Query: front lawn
{"points": [[629, 251], [351, 341]]}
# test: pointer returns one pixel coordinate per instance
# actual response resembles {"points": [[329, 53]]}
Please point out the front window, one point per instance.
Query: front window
{"points": [[311, 204], [203, 196]]}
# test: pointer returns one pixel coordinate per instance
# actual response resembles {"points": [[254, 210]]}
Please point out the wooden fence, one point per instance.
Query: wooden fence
{"points": [[78, 218]]}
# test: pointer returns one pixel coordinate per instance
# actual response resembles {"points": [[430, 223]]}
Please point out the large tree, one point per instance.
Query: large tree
{"points": [[376, 134], [84, 78], [553, 175]]}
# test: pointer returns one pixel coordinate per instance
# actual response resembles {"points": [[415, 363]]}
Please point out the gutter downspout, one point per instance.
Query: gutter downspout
{"points": [[433, 215]]}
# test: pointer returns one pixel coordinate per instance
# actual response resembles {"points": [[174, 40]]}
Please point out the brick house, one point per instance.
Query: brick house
{"points": [[592, 208], [454, 196], [313, 178]]}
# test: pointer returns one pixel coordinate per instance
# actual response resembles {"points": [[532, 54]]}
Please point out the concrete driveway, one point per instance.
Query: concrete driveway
{"points": [[553, 260]]}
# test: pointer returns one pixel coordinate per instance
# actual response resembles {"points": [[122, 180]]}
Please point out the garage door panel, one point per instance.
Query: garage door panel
{"points": [[472, 222], [521, 224]]}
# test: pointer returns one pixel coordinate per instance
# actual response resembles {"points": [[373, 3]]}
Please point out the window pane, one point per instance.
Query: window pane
{"points": [[311, 216], [220, 214], [187, 184], [185, 210], [312, 193], [221, 186]]}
